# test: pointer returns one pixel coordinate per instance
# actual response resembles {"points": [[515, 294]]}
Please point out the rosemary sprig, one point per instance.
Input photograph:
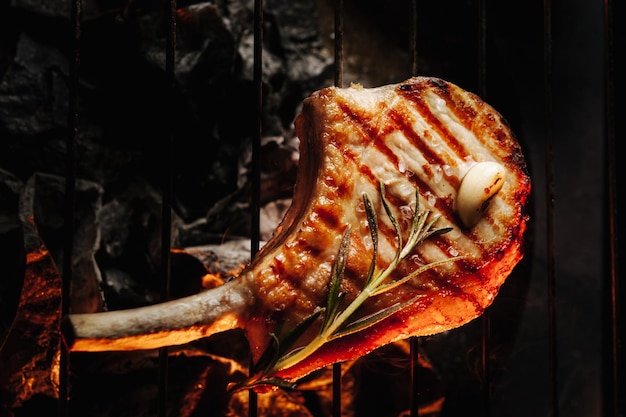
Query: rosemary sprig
{"points": [[337, 321]]}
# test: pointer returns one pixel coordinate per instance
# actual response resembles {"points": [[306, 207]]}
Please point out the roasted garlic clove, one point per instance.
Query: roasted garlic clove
{"points": [[480, 184]]}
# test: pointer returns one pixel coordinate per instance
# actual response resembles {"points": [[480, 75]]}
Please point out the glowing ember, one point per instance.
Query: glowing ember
{"points": [[30, 354]]}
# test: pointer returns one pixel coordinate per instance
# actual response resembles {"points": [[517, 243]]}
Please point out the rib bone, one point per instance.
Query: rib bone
{"points": [[165, 324]]}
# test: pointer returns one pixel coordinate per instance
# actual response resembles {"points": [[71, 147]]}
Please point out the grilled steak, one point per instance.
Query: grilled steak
{"points": [[425, 134]]}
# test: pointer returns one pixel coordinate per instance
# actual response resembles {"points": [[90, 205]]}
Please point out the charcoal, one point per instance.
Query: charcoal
{"points": [[30, 352], [12, 256], [131, 231], [49, 217]]}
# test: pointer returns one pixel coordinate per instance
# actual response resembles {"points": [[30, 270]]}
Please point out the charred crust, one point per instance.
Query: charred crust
{"points": [[442, 87]]}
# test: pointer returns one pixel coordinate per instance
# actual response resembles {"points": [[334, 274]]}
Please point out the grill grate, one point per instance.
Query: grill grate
{"points": [[549, 231]]}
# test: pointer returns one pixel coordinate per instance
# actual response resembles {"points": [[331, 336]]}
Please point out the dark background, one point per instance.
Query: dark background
{"points": [[124, 100]]}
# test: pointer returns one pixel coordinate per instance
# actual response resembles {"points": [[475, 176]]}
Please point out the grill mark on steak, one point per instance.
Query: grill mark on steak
{"points": [[369, 131], [328, 216], [471, 115], [414, 95], [389, 233], [403, 123]]}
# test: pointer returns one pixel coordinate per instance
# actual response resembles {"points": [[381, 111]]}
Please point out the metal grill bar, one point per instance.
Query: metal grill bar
{"points": [[550, 196], [485, 319], [338, 76], [256, 141], [255, 203], [167, 195], [414, 342], [338, 43], [70, 200], [614, 59]]}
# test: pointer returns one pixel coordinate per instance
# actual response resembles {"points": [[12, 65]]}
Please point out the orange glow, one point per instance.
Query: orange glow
{"points": [[212, 280], [37, 256]]}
